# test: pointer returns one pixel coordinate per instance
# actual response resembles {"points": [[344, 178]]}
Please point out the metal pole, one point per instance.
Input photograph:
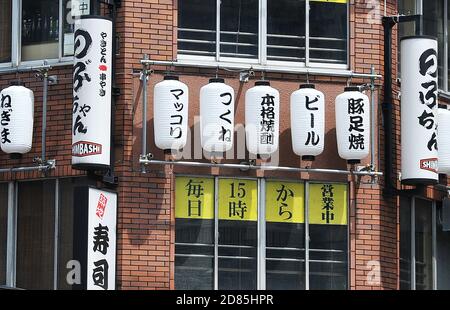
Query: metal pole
{"points": [[253, 167], [144, 111], [373, 119], [44, 113], [321, 72]]}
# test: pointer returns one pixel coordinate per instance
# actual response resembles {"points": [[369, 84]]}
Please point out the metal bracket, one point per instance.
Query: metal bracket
{"points": [[115, 91], [244, 76], [53, 80], [146, 157], [110, 179]]}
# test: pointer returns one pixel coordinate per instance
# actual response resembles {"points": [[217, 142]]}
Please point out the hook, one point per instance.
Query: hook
{"points": [[349, 80], [217, 71], [307, 76], [263, 75]]}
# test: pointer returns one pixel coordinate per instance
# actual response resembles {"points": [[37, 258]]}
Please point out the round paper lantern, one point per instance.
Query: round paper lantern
{"points": [[16, 119], [262, 119], [443, 141], [170, 113], [419, 110], [217, 116], [307, 121], [352, 125]]}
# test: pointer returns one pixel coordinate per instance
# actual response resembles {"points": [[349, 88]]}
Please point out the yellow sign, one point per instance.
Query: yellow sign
{"points": [[330, 1], [328, 204], [285, 202], [238, 200], [194, 198]]}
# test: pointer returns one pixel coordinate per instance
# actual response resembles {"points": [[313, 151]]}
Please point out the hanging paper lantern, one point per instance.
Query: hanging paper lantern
{"points": [[307, 121], [217, 116], [443, 141], [353, 125], [170, 113], [418, 110], [262, 118], [16, 120], [92, 84]]}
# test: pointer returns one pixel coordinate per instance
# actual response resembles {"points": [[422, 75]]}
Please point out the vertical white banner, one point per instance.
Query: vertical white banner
{"points": [[419, 86], [101, 247], [92, 82]]}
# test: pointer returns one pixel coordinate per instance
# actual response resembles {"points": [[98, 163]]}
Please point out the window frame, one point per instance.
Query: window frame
{"points": [[412, 267], [262, 46], [12, 225], [16, 40], [261, 226]]}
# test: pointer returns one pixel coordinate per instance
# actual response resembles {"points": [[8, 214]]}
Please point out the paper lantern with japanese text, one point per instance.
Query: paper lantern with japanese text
{"points": [[217, 116], [352, 125], [419, 86], [170, 113], [443, 141], [92, 84], [307, 121], [262, 114], [16, 121]]}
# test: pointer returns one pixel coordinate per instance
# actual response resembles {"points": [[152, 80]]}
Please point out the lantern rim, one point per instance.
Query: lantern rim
{"points": [[217, 80], [262, 83], [419, 37], [416, 181], [171, 78], [95, 17], [351, 88], [307, 85], [16, 83]]}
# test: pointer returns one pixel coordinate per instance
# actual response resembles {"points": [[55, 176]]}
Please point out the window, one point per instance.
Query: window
{"points": [[44, 232], [250, 234], [3, 230], [436, 15], [35, 231], [424, 240], [264, 31], [43, 30], [5, 30]]}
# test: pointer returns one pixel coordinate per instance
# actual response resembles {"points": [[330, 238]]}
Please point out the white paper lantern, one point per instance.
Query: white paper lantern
{"points": [[419, 110], [352, 125], [307, 121], [217, 116], [170, 113], [443, 141], [262, 119], [92, 85], [16, 119]]}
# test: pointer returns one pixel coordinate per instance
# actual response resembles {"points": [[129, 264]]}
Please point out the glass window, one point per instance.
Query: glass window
{"points": [[277, 33], [443, 250], [405, 243], [197, 27], [239, 28], [286, 30], [40, 29], [5, 30], [423, 235], [194, 258], [405, 7], [433, 25], [328, 32], [237, 234], [35, 234], [3, 230], [285, 256], [68, 29]]}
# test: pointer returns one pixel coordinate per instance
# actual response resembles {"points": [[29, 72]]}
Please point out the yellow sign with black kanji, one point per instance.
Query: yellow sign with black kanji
{"points": [[328, 204], [238, 200], [194, 198], [285, 202]]}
